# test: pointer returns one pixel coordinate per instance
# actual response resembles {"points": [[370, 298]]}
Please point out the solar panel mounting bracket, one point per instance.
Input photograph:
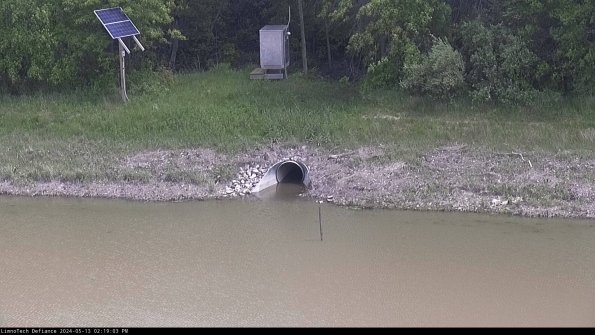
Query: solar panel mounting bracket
{"points": [[123, 45], [138, 43]]}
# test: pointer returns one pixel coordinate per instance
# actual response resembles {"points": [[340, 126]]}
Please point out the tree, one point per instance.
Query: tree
{"points": [[391, 34], [487, 11], [500, 66], [562, 34], [61, 42], [303, 37], [326, 11], [201, 23]]}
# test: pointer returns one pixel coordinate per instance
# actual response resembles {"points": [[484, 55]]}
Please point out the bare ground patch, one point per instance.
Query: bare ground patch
{"points": [[449, 178]]}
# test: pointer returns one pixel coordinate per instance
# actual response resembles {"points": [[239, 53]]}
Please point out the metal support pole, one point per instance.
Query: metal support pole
{"points": [[138, 43], [122, 54], [123, 45]]}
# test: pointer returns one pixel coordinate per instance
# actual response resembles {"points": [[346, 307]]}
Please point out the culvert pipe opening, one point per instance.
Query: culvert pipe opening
{"points": [[290, 172], [284, 172]]}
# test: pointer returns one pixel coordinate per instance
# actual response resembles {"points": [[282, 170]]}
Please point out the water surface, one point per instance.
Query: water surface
{"points": [[82, 262]]}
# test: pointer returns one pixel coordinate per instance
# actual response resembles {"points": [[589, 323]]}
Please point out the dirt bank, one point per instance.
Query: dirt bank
{"points": [[451, 178]]}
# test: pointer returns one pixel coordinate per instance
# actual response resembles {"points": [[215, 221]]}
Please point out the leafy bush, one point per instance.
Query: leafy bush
{"points": [[388, 71], [499, 65], [383, 73], [439, 74], [390, 34]]}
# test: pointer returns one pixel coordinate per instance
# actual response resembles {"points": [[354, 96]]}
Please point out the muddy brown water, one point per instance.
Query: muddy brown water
{"points": [[82, 262]]}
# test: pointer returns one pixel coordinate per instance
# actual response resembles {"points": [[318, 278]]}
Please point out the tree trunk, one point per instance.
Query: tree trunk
{"points": [[303, 34], [174, 50], [328, 45], [383, 40]]}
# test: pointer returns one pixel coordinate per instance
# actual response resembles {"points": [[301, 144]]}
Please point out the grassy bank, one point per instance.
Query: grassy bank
{"points": [[77, 137]]}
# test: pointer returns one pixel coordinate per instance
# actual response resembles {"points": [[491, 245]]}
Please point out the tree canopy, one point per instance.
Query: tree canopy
{"points": [[511, 49]]}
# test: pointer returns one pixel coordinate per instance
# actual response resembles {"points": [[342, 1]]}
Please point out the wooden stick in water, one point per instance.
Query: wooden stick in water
{"points": [[320, 221]]}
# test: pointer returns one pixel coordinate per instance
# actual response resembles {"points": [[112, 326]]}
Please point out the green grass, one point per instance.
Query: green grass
{"points": [[77, 136]]}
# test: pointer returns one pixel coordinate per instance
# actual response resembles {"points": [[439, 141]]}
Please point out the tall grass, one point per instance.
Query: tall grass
{"points": [[224, 109]]}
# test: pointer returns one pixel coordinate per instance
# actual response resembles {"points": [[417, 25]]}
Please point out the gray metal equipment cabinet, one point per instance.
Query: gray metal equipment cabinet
{"points": [[274, 51]]}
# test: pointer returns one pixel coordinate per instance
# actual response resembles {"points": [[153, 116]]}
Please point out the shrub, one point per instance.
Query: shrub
{"points": [[439, 74], [388, 71], [499, 65]]}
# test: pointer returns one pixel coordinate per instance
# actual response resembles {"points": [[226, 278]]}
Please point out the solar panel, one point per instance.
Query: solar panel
{"points": [[116, 23], [121, 29], [111, 15]]}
